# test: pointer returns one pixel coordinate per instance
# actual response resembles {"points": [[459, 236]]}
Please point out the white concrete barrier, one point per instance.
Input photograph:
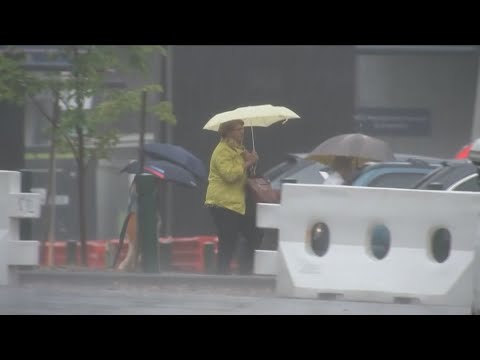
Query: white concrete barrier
{"points": [[14, 206], [265, 262], [348, 270]]}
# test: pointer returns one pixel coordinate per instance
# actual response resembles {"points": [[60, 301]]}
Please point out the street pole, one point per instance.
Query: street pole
{"points": [[141, 154], [52, 184], [169, 140], [146, 212], [147, 229]]}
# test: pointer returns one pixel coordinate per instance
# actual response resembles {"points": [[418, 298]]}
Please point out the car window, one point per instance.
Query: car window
{"points": [[468, 185], [279, 169], [307, 174], [310, 174], [396, 180], [398, 177]]}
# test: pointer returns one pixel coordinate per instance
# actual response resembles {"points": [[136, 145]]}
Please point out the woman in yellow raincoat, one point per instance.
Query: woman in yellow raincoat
{"points": [[225, 196]]}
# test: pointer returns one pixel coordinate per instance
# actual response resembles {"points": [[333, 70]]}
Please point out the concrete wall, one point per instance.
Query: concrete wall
{"points": [[444, 84], [11, 136]]}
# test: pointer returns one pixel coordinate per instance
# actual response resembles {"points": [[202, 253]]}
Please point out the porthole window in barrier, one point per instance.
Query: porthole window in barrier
{"points": [[320, 239], [380, 241], [441, 244]]}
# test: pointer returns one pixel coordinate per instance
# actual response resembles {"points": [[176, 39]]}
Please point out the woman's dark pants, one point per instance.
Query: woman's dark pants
{"points": [[230, 225]]}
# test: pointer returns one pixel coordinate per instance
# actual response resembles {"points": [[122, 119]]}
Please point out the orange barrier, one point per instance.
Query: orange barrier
{"points": [[96, 253], [187, 253], [59, 253]]}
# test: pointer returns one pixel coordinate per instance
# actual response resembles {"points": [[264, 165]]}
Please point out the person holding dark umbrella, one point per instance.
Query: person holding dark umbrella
{"points": [[177, 155], [163, 171], [131, 259]]}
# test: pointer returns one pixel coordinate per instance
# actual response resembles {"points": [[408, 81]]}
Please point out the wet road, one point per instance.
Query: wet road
{"points": [[40, 298]]}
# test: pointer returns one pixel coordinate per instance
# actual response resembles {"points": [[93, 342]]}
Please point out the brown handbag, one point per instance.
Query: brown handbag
{"points": [[261, 190]]}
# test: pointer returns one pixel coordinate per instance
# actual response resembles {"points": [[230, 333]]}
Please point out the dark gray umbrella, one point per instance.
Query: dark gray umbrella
{"points": [[178, 155], [356, 146], [165, 171]]}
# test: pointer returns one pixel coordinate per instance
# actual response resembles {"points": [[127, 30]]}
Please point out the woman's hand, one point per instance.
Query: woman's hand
{"points": [[251, 158]]}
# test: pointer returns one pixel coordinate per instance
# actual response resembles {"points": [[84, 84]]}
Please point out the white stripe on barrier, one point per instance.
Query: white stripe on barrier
{"points": [[23, 252]]}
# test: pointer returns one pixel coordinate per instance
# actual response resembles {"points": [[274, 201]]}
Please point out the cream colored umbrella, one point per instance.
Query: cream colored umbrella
{"points": [[258, 115]]}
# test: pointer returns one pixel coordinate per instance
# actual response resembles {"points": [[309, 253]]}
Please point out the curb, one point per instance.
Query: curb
{"points": [[111, 278]]}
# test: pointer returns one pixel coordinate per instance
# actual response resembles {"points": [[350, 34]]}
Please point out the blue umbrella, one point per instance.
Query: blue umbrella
{"points": [[165, 171], [178, 155]]}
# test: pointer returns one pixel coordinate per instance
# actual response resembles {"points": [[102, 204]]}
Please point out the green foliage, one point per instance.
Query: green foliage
{"points": [[90, 66], [87, 133], [164, 111], [15, 82]]}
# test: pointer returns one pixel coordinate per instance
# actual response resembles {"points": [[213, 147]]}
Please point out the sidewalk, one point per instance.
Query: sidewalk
{"points": [[95, 277]]}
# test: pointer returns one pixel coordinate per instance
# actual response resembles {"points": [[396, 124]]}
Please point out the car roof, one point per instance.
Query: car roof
{"points": [[398, 157], [406, 157], [298, 155]]}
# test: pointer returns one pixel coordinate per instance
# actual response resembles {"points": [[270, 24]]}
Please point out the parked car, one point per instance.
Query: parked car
{"points": [[403, 173], [454, 175], [398, 174]]}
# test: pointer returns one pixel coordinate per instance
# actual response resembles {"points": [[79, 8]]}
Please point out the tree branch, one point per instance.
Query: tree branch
{"points": [[42, 110], [52, 123]]}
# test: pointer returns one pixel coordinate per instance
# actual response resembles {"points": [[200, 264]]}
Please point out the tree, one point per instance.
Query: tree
{"points": [[87, 132]]}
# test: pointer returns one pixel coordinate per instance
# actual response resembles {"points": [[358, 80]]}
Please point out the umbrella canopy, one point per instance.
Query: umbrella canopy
{"points": [[178, 155], [259, 115], [165, 171], [357, 146]]}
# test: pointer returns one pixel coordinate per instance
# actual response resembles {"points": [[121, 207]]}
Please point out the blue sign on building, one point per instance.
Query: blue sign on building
{"points": [[392, 121]]}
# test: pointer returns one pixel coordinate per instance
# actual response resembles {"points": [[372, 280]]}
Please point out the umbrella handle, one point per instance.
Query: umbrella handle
{"points": [[254, 167], [253, 139]]}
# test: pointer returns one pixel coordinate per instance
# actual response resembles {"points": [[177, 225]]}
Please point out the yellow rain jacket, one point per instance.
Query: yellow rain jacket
{"points": [[227, 177]]}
